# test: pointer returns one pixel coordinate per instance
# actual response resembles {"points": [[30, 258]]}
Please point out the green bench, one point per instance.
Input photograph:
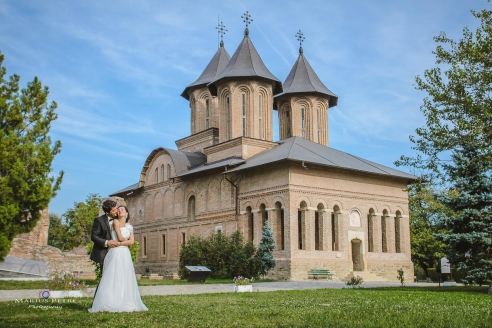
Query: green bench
{"points": [[321, 273]]}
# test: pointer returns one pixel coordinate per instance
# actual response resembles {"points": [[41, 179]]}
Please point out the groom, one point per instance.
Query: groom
{"points": [[101, 233]]}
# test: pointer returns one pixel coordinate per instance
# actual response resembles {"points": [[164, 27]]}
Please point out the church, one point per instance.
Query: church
{"points": [[328, 209]]}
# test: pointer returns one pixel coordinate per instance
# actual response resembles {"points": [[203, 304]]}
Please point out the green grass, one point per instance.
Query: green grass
{"points": [[40, 284], [381, 307]]}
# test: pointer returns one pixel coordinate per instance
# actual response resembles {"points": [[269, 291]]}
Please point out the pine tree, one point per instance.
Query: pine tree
{"points": [[266, 247], [26, 154], [469, 227]]}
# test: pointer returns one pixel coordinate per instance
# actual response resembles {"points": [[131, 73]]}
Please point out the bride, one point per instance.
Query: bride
{"points": [[118, 289]]}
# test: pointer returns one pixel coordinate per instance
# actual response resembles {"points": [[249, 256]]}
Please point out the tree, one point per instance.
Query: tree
{"points": [[459, 103], [57, 232], [26, 156], [424, 209], [266, 247], [79, 220], [469, 225]]}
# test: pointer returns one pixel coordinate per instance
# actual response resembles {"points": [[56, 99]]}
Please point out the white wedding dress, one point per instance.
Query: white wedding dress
{"points": [[118, 289]]}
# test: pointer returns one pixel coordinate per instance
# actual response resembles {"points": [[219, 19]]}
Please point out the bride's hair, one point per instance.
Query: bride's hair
{"points": [[128, 213]]}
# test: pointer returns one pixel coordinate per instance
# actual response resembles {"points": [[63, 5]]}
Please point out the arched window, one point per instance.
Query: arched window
{"points": [[251, 232], [145, 246], [398, 232], [207, 114], [318, 228], [156, 175], [264, 215], [228, 113], [370, 229], [168, 171], [243, 101], [303, 122], [384, 237], [301, 229], [191, 209], [318, 121], [260, 128], [280, 226], [140, 215], [334, 228], [287, 115], [162, 173]]}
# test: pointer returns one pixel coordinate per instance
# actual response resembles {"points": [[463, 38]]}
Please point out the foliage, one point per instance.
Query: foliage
{"points": [[469, 225], [226, 256], [64, 279], [266, 247], [57, 232], [355, 281], [459, 103], [433, 275], [426, 250], [135, 251], [243, 281], [401, 277], [79, 221], [26, 156], [97, 266], [367, 307]]}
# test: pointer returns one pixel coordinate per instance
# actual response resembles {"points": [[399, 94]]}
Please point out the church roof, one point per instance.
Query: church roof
{"points": [[213, 69], [299, 149], [231, 161], [246, 62], [303, 79]]}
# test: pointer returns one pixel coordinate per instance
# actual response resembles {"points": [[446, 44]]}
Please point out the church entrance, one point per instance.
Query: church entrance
{"points": [[356, 255]]}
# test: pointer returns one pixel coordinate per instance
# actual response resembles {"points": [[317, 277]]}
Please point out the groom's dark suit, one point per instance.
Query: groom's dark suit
{"points": [[101, 232]]}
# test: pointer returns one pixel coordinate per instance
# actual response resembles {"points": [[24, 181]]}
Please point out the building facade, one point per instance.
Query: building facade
{"points": [[328, 209]]}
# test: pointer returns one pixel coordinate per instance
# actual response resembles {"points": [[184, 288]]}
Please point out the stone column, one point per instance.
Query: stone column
{"points": [[308, 230], [343, 223], [325, 229], [288, 228], [257, 226], [377, 233], [272, 219], [390, 233]]}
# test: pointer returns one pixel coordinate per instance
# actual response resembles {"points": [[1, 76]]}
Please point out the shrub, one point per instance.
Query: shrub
{"points": [[64, 279], [433, 275], [355, 281], [226, 256], [401, 277]]}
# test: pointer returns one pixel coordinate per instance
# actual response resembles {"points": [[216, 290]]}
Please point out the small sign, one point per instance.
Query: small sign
{"points": [[445, 266]]}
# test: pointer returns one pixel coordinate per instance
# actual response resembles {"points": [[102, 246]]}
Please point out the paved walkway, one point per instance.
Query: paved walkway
{"points": [[11, 295]]}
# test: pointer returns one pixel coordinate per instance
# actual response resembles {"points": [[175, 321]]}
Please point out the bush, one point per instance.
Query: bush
{"points": [[433, 275], [226, 256]]}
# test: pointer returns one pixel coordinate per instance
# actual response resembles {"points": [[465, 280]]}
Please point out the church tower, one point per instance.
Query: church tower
{"points": [[303, 106], [204, 107], [245, 91]]}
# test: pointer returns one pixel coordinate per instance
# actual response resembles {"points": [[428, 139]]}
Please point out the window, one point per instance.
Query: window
{"points": [[156, 175], [163, 244], [303, 122], [183, 238], [145, 246], [140, 215], [316, 231], [228, 109], [207, 114], [288, 124], [259, 115], [243, 97], [162, 173], [319, 132], [191, 209], [299, 228], [168, 171]]}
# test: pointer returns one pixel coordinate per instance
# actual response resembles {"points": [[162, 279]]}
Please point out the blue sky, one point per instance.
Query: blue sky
{"points": [[117, 69]]}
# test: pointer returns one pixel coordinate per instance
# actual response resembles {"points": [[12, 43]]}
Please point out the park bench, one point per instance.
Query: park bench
{"points": [[321, 273]]}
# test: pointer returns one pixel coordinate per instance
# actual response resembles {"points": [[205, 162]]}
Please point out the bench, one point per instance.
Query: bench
{"points": [[321, 273]]}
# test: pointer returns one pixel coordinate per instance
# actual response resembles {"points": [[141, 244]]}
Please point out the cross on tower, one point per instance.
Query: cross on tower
{"points": [[247, 18], [300, 37], [222, 31]]}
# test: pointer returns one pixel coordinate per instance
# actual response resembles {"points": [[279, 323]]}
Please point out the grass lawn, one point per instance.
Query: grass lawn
{"points": [[40, 284], [372, 307]]}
